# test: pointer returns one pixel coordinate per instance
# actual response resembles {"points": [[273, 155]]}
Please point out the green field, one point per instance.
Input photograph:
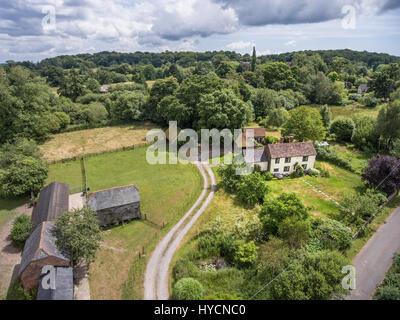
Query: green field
{"points": [[166, 191], [7, 209]]}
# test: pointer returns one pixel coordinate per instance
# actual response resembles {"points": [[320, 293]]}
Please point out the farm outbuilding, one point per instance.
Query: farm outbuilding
{"points": [[116, 205], [64, 286], [40, 249], [53, 201]]}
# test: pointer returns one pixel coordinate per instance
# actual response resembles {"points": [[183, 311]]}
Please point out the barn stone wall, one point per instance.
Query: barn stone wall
{"points": [[119, 214], [31, 275]]}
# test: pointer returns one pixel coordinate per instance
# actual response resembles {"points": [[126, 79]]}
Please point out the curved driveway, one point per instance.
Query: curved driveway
{"points": [[156, 282]]}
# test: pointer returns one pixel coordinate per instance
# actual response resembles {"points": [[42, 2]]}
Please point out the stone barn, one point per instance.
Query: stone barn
{"points": [[64, 286], [116, 205], [53, 201], [40, 250]]}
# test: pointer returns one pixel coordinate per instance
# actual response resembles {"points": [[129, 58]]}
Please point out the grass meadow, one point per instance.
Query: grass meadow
{"points": [[166, 191]]}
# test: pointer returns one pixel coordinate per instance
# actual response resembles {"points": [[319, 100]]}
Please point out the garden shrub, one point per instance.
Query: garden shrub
{"points": [[245, 253], [188, 289], [21, 229], [313, 172], [222, 296], [271, 140], [332, 234]]}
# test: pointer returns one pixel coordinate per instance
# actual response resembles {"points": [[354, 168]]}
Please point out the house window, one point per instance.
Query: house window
{"points": [[304, 166], [276, 170], [287, 160], [277, 160], [286, 169], [305, 159]]}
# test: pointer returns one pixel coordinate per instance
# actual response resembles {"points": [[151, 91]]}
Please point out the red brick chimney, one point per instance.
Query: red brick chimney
{"points": [[282, 140], [291, 139]]}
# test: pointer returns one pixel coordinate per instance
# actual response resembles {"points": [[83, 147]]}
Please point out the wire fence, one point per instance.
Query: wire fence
{"points": [[91, 154]]}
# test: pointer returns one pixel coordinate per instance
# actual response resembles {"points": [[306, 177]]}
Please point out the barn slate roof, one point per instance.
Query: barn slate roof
{"points": [[41, 244], [64, 286], [255, 155], [287, 150], [114, 197], [53, 201]]}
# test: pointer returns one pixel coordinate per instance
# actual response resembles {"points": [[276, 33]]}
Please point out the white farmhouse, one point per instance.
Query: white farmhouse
{"points": [[282, 157]]}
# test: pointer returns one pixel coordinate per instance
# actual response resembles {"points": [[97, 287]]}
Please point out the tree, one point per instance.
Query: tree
{"points": [[274, 211], [79, 234], [253, 60], [72, 86], [295, 231], [25, 175], [388, 122], [383, 172], [21, 229], [252, 189], [356, 208], [304, 124], [229, 179], [342, 128], [263, 100], [224, 69], [161, 88], [188, 289], [245, 253], [95, 112], [278, 76], [332, 234], [222, 109], [317, 276], [93, 85], [277, 117], [396, 149], [385, 80], [326, 115], [63, 119], [365, 135], [128, 106]]}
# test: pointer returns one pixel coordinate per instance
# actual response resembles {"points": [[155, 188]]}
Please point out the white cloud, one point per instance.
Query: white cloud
{"points": [[290, 43], [240, 45]]}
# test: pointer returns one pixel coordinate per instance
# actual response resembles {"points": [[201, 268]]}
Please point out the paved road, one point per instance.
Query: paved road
{"points": [[375, 258], [156, 282]]}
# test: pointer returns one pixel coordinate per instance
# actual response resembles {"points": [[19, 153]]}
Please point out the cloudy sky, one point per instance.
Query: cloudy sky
{"points": [[37, 29]]}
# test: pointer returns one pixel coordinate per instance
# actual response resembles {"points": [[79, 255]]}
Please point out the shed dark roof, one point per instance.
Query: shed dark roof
{"points": [[64, 286], [114, 197], [295, 149], [255, 155], [53, 201], [41, 244]]}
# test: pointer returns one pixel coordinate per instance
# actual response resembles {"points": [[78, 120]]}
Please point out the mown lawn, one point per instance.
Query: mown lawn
{"points": [[350, 110], [72, 144], [358, 159], [166, 191]]}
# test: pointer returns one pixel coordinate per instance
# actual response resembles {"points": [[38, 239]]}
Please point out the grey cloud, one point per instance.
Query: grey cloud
{"points": [[264, 12]]}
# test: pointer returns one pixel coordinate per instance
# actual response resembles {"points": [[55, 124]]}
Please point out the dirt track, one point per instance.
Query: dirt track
{"points": [[156, 284]]}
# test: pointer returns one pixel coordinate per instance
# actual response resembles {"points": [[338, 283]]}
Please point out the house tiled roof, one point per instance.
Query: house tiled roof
{"points": [[53, 201], [41, 244], [114, 197], [295, 149], [258, 132], [255, 155]]}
